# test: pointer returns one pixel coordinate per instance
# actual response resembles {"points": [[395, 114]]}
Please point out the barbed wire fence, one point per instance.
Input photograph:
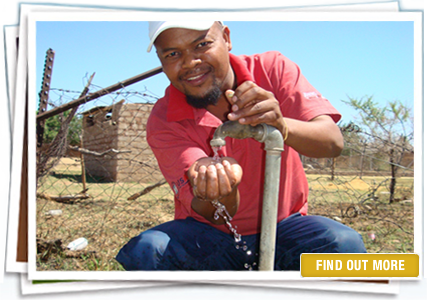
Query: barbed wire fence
{"points": [[98, 179]]}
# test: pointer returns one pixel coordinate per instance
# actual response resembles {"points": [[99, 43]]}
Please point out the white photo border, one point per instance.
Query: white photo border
{"points": [[235, 16]]}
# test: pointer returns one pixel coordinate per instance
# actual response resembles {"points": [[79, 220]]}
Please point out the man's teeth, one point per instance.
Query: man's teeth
{"points": [[195, 77]]}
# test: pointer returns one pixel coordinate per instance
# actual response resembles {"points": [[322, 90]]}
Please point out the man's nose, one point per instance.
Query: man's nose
{"points": [[190, 59]]}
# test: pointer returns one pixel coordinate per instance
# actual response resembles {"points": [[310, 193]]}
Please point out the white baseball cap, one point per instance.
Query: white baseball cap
{"points": [[157, 27]]}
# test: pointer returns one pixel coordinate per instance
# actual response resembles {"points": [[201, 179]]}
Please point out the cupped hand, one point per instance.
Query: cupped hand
{"points": [[212, 179]]}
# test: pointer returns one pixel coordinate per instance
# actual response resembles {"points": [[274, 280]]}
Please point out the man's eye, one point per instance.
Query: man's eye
{"points": [[202, 44], [172, 54]]}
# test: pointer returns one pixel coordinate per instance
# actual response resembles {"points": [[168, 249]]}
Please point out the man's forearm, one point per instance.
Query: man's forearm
{"points": [[318, 138]]}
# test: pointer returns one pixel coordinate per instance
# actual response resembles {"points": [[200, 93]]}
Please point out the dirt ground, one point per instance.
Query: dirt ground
{"points": [[108, 220]]}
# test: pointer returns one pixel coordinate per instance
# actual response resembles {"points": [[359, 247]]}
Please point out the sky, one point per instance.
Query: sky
{"points": [[340, 59]]}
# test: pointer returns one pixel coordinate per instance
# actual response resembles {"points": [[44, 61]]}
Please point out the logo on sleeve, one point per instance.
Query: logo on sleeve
{"points": [[312, 95], [176, 186]]}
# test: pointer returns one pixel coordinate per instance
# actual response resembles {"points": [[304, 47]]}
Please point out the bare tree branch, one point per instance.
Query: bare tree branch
{"points": [[147, 190], [98, 154]]}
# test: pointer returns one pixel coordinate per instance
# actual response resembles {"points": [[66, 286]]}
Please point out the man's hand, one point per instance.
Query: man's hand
{"points": [[215, 180], [318, 137], [253, 105]]}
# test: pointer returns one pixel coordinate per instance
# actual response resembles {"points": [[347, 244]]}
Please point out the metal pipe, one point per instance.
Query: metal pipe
{"points": [[273, 141], [238, 131], [99, 93]]}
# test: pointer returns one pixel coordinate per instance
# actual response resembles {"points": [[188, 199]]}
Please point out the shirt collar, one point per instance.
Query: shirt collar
{"points": [[179, 109]]}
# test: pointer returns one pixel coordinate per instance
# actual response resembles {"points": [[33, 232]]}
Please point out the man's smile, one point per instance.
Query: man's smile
{"points": [[197, 79]]}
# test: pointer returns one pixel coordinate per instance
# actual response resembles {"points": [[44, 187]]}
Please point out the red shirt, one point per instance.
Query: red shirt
{"points": [[179, 135]]}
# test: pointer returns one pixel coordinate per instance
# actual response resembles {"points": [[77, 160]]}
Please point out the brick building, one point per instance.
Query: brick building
{"points": [[117, 138]]}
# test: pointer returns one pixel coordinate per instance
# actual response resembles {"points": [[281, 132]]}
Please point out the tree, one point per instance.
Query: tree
{"points": [[389, 130], [53, 125], [59, 132]]}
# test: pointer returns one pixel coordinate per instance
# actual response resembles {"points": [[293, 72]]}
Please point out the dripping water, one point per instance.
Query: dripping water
{"points": [[221, 211], [216, 151]]}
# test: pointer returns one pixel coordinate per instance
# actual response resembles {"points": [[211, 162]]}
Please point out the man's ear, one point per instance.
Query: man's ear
{"points": [[226, 36]]}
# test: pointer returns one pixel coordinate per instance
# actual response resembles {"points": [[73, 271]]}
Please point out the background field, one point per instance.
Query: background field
{"points": [[108, 220]]}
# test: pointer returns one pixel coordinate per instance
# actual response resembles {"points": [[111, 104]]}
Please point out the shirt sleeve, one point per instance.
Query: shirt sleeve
{"points": [[299, 99], [175, 149]]}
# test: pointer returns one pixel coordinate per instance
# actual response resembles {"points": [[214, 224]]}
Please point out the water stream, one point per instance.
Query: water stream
{"points": [[221, 211], [216, 151]]}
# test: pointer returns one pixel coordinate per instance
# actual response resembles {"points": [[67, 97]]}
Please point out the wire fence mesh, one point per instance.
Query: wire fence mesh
{"points": [[100, 181]]}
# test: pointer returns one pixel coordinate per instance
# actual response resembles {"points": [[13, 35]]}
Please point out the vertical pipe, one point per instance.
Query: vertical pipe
{"points": [[269, 210], [273, 141]]}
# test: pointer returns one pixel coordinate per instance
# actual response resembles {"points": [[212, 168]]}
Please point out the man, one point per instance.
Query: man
{"points": [[209, 86]]}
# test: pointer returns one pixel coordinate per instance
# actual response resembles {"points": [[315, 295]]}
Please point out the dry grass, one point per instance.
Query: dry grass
{"points": [[108, 220]]}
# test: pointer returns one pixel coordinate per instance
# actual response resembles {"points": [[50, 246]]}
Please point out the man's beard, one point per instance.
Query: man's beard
{"points": [[211, 98]]}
